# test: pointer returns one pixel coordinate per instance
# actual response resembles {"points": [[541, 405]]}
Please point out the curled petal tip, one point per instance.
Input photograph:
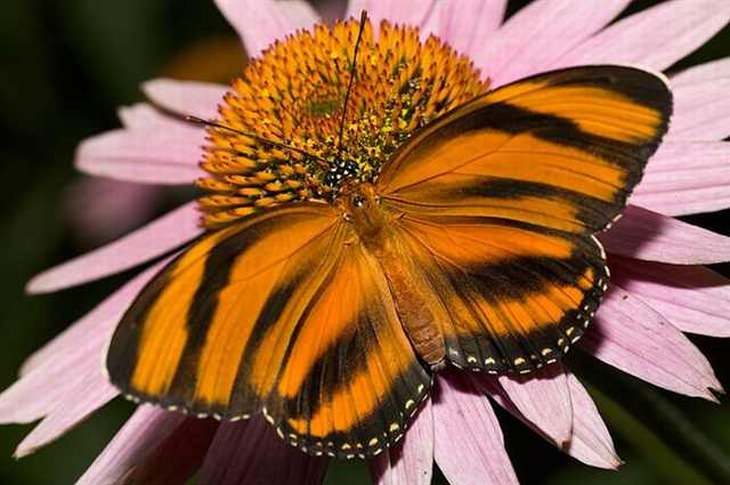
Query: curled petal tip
{"points": [[715, 393], [715, 389]]}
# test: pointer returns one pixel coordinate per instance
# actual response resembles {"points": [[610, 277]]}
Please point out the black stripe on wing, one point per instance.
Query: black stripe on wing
{"points": [[520, 279]]}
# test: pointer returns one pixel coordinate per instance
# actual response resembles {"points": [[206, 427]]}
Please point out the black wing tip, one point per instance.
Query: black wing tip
{"points": [[629, 80], [644, 86]]}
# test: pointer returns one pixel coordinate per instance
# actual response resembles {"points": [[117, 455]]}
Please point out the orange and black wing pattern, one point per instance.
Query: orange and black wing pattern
{"points": [[280, 313], [486, 258], [498, 201]]}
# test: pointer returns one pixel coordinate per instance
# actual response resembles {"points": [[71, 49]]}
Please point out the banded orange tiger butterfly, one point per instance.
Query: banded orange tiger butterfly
{"points": [[473, 245]]}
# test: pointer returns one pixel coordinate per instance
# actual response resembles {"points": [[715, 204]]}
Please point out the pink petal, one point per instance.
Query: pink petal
{"points": [[464, 24], [92, 392], [709, 71], [411, 460], [468, 447], [148, 427], [153, 240], [154, 446], [186, 97], [589, 442], [693, 298], [404, 12], [261, 22], [117, 208], [40, 391], [93, 329], [542, 397], [538, 35], [686, 178], [656, 37], [250, 452], [143, 116], [632, 337], [165, 153], [64, 380], [642, 234], [701, 110]]}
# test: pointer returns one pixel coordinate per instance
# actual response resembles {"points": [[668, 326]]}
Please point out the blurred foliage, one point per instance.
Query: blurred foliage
{"points": [[67, 66]]}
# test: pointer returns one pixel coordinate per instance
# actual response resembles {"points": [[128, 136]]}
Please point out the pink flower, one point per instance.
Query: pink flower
{"points": [[659, 288]]}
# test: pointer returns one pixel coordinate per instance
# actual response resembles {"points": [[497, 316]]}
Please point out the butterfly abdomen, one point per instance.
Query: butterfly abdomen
{"points": [[416, 314]]}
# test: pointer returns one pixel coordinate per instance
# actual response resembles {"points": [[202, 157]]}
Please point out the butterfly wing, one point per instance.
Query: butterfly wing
{"points": [[284, 313], [498, 202]]}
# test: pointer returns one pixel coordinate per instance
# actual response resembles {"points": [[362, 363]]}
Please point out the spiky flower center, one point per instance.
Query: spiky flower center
{"points": [[294, 96]]}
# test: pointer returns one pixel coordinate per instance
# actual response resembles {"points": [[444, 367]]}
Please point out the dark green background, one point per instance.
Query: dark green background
{"points": [[66, 66]]}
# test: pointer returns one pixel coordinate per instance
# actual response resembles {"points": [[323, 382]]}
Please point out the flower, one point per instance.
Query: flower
{"points": [[659, 288]]}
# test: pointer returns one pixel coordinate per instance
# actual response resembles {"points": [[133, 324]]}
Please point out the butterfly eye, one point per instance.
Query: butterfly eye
{"points": [[358, 201]]}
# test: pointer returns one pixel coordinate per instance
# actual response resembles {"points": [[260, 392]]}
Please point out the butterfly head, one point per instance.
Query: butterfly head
{"points": [[356, 199], [360, 205]]}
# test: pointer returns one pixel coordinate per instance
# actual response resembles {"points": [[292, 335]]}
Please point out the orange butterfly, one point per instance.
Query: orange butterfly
{"points": [[473, 247]]}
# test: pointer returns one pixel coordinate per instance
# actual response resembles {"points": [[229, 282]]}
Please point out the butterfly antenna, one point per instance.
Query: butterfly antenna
{"points": [[200, 121], [363, 19]]}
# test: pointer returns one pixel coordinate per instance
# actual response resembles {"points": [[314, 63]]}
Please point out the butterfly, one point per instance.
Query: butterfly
{"points": [[474, 247]]}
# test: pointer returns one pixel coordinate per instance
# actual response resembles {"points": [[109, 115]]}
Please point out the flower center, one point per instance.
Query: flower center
{"points": [[294, 98]]}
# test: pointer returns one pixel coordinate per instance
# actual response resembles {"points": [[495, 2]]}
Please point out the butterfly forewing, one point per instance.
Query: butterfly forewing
{"points": [[498, 201], [183, 339], [562, 150]]}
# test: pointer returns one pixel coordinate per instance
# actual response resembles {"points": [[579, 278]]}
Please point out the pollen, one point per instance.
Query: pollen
{"points": [[288, 131]]}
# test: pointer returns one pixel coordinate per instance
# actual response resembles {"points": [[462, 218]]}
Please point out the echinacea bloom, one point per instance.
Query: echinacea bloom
{"points": [[659, 287]]}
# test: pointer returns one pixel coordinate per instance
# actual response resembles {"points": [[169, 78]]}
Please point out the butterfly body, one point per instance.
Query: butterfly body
{"points": [[474, 246], [376, 227]]}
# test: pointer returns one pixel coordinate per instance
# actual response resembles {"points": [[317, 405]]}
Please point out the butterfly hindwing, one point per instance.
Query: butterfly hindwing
{"points": [[506, 297], [285, 313], [350, 363], [499, 200]]}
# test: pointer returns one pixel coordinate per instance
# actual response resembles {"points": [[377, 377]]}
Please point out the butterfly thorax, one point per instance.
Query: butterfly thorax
{"points": [[360, 206]]}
